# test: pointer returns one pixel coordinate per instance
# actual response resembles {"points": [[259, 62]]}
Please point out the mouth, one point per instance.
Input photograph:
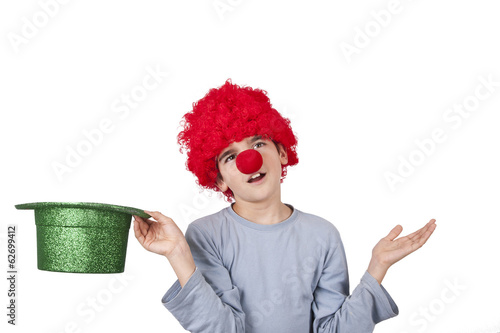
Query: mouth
{"points": [[256, 177]]}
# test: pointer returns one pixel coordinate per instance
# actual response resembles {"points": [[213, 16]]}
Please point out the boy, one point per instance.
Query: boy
{"points": [[260, 265]]}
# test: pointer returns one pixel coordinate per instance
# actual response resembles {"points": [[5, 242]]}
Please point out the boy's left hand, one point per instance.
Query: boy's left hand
{"points": [[389, 251]]}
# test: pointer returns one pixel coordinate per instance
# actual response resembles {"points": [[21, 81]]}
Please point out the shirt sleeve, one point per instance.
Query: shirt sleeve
{"points": [[335, 311], [208, 302]]}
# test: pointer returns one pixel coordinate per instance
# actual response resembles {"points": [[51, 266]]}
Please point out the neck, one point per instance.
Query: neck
{"points": [[268, 212]]}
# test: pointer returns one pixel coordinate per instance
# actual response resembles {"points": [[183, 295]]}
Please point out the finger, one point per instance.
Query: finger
{"points": [[141, 219], [416, 234], [159, 217], [419, 242], [137, 232], [422, 230], [394, 232], [429, 224], [143, 226], [426, 235]]}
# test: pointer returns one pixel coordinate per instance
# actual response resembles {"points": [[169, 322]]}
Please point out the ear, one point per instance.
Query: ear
{"points": [[220, 183], [283, 154]]}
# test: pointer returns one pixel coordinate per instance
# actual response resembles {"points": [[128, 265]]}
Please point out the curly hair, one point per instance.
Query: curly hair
{"points": [[225, 115]]}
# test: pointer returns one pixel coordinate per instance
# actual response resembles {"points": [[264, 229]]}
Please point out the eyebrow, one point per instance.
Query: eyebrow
{"points": [[230, 151]]}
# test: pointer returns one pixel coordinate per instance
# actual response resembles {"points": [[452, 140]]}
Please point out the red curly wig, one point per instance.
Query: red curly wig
{"points": [[225, 115]]}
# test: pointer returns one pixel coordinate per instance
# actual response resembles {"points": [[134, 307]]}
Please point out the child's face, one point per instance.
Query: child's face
{"points": [[238, 182]]}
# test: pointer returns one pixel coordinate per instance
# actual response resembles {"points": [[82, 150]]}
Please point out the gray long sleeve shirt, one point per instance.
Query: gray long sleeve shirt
{"points": [[288, 277]]}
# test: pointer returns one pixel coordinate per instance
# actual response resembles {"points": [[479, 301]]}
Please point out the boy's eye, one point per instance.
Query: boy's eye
{"points": [[232, 156], [259, 144]]}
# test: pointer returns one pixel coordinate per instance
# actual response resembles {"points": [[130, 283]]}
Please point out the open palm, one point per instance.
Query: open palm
{"points": [[390, 250]]}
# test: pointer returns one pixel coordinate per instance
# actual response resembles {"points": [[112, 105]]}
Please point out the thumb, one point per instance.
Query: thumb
{"points": [[159, 217], [394, 232]]}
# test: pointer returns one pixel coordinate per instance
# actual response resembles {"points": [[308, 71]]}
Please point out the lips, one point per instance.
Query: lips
{"points": [[256, 177]]}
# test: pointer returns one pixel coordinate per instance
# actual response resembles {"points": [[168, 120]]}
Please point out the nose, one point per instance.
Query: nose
{"points": [[249, 161]]}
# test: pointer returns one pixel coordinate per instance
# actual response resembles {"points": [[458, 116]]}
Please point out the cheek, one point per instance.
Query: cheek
{"points": [[271, 158], [228, 171]]}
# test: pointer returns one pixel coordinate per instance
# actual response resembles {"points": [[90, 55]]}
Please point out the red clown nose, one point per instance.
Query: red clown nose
{"points": [[249, 161]]}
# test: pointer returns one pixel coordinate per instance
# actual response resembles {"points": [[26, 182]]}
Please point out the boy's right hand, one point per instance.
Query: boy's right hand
{"points": [[161, 235], [164, 237]]}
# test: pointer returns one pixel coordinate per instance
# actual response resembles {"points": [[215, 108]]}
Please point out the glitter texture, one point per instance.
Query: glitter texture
{"points": [[82, 237]]}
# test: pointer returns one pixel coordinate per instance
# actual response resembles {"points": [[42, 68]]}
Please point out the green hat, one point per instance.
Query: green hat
{"points": [[82, 237]]}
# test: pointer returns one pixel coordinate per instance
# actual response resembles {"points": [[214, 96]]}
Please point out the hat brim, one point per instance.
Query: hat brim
{"points": [[89, 205]]}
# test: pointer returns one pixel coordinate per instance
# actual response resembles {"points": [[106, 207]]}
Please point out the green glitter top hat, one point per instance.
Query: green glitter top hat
{"points": [[82, 237]]}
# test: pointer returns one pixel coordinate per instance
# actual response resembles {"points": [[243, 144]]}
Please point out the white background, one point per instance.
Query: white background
{"points": [[354, 117]]}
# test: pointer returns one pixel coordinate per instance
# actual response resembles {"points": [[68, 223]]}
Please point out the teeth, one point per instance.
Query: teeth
{"points": [[255, 176]]}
